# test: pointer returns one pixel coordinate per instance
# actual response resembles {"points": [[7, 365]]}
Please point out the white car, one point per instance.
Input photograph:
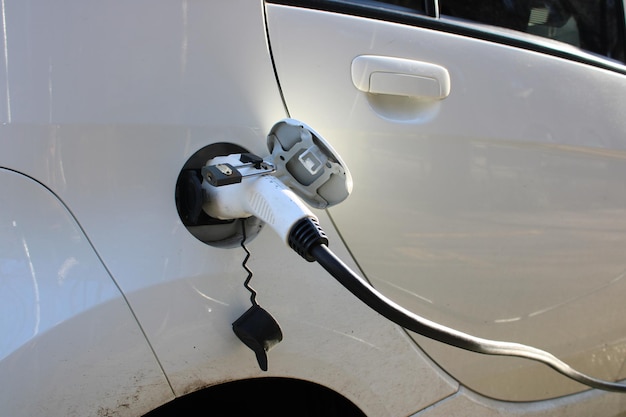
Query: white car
{"points": [[483, 145]]}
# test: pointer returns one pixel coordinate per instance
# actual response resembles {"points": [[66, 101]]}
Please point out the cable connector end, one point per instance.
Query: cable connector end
{"points": [[305, 234]]}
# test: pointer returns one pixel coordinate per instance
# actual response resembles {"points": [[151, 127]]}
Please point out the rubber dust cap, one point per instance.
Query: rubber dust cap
{"points": [[258, 330]]}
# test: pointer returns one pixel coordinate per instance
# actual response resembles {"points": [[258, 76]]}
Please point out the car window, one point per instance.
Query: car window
{"points": [[596, 26], [370, 8], [411, 6]]}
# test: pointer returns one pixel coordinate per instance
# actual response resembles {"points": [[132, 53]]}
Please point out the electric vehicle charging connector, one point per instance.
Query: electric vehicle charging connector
{"points": [[252, 190], [233, 191]]}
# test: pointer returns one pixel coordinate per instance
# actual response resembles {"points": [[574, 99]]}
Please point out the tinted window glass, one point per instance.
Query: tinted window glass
{"points": [[409, 6], [596, 26]]}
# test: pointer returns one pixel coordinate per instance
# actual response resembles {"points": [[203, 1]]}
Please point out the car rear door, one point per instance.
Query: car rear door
{"points": [[488, 157]]}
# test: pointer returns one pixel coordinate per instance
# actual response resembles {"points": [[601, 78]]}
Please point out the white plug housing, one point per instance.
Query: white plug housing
{"points": [[302, 166], [262, 196]]}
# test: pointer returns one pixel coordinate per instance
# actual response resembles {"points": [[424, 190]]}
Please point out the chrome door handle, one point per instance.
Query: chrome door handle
{"points": [[400, 77]]}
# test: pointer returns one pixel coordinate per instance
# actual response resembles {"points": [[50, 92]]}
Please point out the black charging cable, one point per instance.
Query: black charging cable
{"points": [[309, 240]]}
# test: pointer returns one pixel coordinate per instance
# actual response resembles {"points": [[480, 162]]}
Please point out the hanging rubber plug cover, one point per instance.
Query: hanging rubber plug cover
{"points": [[258, 330]]}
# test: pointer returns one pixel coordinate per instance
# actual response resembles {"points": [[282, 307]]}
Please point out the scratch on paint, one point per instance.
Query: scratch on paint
{"points": [[6, 60]]}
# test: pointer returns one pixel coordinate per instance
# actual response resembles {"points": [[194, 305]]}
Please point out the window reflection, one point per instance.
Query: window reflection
{"points": [[596, 26]]}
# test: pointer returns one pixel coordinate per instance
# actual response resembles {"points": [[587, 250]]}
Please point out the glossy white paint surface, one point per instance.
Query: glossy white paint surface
{"points": [[70, 345], [498, 211], [103, 103], [329, 338]]}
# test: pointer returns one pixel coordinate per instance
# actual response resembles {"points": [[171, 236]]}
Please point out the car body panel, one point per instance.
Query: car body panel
{"points": [[101, 106], [329, 338], [498, 210], [103, 110], [468, 403], [64, 322]]}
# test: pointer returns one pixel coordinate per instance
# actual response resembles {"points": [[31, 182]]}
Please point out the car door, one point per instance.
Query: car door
{"points": [[488, 151]]}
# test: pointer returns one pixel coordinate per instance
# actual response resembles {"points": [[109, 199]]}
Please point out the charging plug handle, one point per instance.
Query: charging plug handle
{"points": [[249, 192]]}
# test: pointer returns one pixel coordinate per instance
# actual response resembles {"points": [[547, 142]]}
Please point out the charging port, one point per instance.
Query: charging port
{"points": [[189, 199]]}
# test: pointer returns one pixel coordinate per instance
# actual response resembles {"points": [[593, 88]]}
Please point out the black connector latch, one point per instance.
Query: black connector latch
{"points": [[221, 174], [250, 158]]}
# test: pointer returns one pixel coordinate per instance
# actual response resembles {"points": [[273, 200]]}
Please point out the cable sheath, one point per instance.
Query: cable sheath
{"points": [[415, 323]]}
